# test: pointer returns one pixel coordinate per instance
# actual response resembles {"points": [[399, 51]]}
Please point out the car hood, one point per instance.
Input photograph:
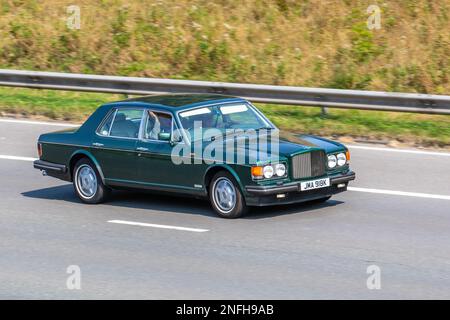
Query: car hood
{"points": [[290, 144]]}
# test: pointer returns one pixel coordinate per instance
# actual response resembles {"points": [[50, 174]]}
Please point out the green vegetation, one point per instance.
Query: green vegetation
{"points": [[58, 105], [292, 42], [288, 42], [425, 130]]}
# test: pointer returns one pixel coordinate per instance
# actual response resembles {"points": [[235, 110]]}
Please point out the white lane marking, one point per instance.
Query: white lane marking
{"points": [[401, 193], [59, 124], [161, 226], [17, 158], [431, 153]]}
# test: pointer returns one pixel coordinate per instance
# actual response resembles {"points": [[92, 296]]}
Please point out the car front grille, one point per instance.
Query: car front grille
{"points": [[311, 164]]}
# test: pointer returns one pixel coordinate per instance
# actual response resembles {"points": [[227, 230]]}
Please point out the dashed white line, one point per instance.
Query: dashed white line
{"points": [[59, 124], [17, 158], [400, 193], [430, 153], [161, 226], [367, 190]]}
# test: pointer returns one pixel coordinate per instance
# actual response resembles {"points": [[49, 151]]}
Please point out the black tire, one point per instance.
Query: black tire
{"points": [[99, 193], [320, 200], [239, 208]]}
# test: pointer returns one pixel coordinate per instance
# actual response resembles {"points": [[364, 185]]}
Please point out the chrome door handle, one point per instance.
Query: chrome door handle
{"points": [[141, 149], [96, 144]]}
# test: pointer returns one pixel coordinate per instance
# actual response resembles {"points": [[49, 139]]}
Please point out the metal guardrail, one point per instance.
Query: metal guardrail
{"points": [[333, 98]]}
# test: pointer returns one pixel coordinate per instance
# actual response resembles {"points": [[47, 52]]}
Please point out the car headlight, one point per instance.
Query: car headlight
{"points": [[341, 159], [332, 161], [268, 172], [280, 169]]}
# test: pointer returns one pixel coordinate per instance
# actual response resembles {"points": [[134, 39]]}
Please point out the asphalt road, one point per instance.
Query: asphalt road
{"points": [[289, 252]]}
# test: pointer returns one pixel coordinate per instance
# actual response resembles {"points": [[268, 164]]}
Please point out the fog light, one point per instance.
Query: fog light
{"points": [[341, 185], [281, 196]]}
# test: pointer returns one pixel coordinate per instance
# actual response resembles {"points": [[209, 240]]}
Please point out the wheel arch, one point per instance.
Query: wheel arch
{"points": [[79, 154], [211, 171]]}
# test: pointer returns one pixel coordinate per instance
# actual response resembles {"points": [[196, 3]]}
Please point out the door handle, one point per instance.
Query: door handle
{"points": [[96, 144], [141, 149]]}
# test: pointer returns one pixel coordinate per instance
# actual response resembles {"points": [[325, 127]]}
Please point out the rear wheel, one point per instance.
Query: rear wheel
{"points": [[88, 184], [226, 197]]}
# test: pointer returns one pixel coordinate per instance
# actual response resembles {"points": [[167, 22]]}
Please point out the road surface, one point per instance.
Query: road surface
{"points": [[396, 217]]}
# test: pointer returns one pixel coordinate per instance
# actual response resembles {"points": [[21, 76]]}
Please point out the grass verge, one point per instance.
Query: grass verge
{"points": [[395, 128]]}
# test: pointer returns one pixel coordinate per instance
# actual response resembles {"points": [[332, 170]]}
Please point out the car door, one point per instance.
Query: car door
{"points": [[114, 145], [155, 166]]}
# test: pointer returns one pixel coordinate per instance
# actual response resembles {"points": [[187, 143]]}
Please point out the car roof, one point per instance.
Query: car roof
{"points": [[178, 101]]}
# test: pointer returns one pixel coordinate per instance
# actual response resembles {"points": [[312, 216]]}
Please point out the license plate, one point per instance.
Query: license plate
{"points": [[315, 184]]}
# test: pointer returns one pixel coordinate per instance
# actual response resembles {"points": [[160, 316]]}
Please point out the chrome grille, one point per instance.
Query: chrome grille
{"points": [[311, 164]]}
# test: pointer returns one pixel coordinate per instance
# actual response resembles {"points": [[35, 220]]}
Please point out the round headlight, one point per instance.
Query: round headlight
{"points": [[341, 159], [332, 161], [280, 169], [268, 172]]}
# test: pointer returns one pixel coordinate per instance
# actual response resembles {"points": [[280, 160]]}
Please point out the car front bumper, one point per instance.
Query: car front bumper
{"points": [[290, 192]]}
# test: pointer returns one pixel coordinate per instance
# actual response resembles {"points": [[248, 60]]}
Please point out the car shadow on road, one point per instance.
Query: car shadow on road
{"points": [[177, 204], [286, 209]]}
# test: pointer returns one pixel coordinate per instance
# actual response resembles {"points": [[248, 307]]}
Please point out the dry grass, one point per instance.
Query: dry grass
{"points": [[322, 43], [295, 42]]}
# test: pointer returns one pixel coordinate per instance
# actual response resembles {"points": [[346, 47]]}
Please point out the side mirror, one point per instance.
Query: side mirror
{"points": [[164, 136], [176, 140]]}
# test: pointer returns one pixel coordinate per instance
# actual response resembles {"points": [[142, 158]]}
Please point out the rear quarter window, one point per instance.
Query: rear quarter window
{"points": [[106, 124]]}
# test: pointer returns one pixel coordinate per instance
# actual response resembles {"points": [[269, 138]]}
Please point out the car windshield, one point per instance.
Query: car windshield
{"points": [[224, 118]]}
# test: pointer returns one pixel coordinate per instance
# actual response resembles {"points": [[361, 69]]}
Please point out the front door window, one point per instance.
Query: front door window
{"points": [[158, 126]]}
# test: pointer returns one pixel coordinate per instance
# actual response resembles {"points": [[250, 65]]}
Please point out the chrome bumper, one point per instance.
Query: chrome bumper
{"points": [[44, 165], [295, 186]]}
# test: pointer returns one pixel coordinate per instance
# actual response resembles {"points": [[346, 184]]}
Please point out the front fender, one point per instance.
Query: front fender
{"points": [[230, 170]]}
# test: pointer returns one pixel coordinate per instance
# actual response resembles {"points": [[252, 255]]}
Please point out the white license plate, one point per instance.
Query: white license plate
{"points": [[315, 184]]}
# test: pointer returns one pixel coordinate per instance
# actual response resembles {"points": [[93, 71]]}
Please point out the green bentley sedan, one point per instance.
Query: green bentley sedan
{"points": [[217, 147]]}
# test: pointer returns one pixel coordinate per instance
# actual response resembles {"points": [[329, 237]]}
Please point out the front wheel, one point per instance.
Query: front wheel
{"points": [[88, 184], [226, 197]]}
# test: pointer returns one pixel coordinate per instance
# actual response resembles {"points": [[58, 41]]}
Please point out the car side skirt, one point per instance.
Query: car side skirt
{"points": [[135, 185]]}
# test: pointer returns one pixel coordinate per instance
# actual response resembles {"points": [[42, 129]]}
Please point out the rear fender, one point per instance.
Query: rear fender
{"points": [[92, 158]]}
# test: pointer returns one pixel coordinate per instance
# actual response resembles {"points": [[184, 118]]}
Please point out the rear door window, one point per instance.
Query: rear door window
{"points": [[123, 123]]}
